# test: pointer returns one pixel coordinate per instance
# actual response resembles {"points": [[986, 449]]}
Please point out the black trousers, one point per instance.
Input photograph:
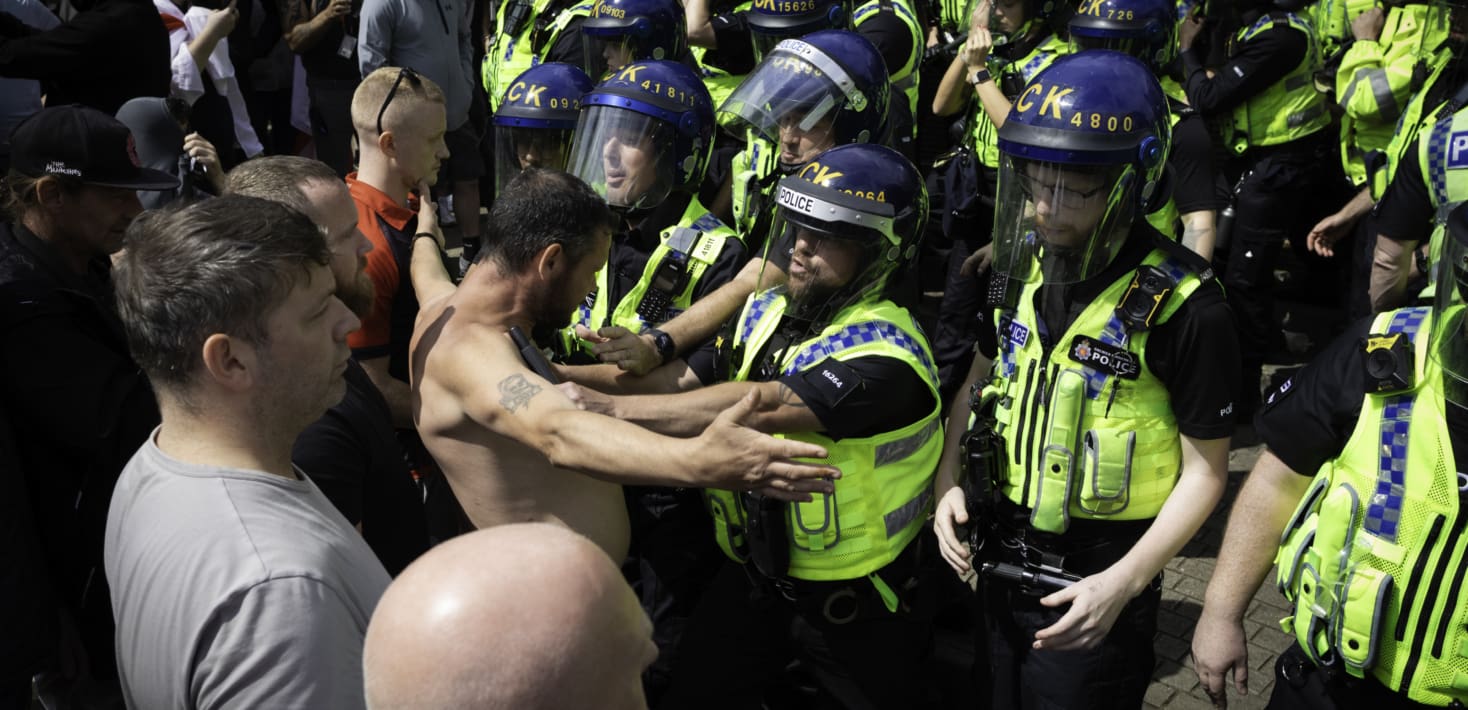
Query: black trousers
{"points": [[1300, 685], [743, 636], [1288, 189]]}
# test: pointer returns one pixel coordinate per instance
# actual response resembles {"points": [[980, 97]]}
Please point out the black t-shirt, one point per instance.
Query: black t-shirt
{"points": [[352, 454], [628, 259], [1404, 213], [855, 398], [1308, 418], [1253, 66], [569, 47], [1195, 353], [892, 38]]}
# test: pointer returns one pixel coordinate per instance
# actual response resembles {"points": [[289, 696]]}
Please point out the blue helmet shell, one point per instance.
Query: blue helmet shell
{"points": [[872, 180], [787, 18], [863, 63], [1146, 27], [1097, 107], [656, 29], [645, 87], [544, 96]]}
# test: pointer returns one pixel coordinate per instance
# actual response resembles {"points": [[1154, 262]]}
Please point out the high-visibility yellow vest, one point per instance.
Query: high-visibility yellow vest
{"points": [[1290, 108], [509, 56]]}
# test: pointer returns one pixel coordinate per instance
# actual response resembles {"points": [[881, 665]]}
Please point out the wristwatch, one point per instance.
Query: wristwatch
{"points": [[979, 76], [664, 343]]}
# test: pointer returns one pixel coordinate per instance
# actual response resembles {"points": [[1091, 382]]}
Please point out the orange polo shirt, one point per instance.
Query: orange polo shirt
{"points": [[388, 327]]}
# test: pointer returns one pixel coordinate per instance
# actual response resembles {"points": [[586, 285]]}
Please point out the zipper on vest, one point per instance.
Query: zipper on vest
{"points": [[1414, 582], [1419, 635], [1030, 443], [1024, 410], [1451, 606]]}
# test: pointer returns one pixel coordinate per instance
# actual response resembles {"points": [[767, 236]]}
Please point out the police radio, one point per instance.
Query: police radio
{"points": [[517, 13]]}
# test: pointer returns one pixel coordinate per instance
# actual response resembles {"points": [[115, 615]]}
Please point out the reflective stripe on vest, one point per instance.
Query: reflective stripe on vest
{"points": [[509, 57], [1082, 442], [905, 79], [885, 491], [1375, 557], [1290, 108]]}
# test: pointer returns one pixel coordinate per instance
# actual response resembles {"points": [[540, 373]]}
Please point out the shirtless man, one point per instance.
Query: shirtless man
{"points": [[514, 448]]}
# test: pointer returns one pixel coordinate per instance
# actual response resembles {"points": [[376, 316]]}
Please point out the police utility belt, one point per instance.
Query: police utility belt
{"points": [[1012, 553]]}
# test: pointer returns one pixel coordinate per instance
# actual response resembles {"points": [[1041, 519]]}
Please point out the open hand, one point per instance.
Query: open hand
{"points": [[739, 458]]}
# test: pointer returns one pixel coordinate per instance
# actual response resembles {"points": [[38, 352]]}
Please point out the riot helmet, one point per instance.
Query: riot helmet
{"points": [[644, 133], [619, 32], [855, 216], [771, 21], [826, 89], [1145, 29], [536, 119], [1082, 154]]}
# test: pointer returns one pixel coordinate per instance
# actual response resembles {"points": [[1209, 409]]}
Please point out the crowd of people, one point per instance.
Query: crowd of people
{"points": [[570, 354]]}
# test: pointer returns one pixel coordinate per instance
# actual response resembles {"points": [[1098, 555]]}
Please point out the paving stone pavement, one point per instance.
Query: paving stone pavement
{"points": [[1175, 685]]}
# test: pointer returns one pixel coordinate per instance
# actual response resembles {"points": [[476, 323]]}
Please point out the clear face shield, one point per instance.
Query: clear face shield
{"points": [[844, 248], [793, 99], [1449, 338], [605, 55], [624, 155], [519, 147], [1061, 222]]}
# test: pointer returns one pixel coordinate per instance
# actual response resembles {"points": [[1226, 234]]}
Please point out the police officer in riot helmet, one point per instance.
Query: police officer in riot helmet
{"points": [[772, 22], [1096, 437], [622, 31], [536, 119], [1145, 29], [832, 581]]}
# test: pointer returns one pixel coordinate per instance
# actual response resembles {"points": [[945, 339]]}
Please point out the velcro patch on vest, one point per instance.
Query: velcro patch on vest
{"points": [[832, 380], [1458, 150], [1105, 358], [1013, 331]]}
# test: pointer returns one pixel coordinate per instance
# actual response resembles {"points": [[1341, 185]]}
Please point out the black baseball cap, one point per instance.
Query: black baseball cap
{"points": [[85, 144]]}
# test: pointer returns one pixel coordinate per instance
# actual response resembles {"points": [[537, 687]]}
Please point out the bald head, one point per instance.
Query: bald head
{"points": [[520, 616]]}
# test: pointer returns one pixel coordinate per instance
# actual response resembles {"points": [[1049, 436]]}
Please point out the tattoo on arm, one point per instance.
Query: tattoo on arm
{"points": [[789, 398], [516, 392]]}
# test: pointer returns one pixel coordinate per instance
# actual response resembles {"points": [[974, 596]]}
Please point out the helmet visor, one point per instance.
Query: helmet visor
{"points": [[624, 155], [604, 55], [793, 98], [1068, 221], [520, 147]]}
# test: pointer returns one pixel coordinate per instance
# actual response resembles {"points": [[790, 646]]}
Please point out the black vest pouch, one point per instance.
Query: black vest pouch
{"points": [[769, 545]]}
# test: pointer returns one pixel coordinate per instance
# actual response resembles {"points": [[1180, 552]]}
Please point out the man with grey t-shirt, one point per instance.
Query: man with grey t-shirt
{"points": [[234, 581]]}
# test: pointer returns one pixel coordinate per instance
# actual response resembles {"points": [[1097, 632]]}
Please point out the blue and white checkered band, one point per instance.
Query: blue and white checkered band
{"points": [[583, 315], [1384, 509], [1036, 63], [1437, 164], [756, 313], [1115, 334], [859, 334], [1007, 364]]}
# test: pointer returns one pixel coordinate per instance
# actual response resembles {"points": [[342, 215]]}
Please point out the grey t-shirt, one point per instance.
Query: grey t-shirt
{"points": [[430, 37], [235, 588]]}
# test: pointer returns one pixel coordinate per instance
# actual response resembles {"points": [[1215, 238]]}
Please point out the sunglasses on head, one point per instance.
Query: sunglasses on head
{"points": [[404, 73]]}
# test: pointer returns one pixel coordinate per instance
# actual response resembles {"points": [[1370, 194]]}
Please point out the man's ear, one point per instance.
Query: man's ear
{"points": [[50, 195], [387, 142], [550, 261], [230, 362]]}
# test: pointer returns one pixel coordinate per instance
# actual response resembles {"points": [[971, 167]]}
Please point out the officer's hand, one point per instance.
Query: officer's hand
{"points": [[738, 458], [631, 352], [1326, 233], [978, 262], [1095, 602], [1367, 25], [975, 50], [952, 511], [1219, 651], [1192, 26]]}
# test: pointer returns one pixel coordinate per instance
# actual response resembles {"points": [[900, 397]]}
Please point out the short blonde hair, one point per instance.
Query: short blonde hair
{"points": [[367, 101]]}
